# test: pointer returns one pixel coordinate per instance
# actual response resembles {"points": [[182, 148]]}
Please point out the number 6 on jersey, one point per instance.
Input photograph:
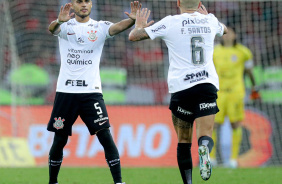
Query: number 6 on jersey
{"points": [[197, 51]]}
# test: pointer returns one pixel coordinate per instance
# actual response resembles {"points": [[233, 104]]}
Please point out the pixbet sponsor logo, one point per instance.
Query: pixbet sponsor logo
{"points": [[79, 83], [194, 21], [204, 106]]}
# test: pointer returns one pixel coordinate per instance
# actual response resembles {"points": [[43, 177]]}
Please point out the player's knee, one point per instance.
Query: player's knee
{"points": [[184, 138], [104, 136], [60, 140], [106, 140]]}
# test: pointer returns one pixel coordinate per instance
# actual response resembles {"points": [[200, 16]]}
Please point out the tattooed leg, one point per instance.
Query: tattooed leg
{"points": [[184, 130]]}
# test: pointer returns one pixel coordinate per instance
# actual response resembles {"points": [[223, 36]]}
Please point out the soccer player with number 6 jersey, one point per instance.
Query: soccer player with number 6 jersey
{"points": [[79, 92], [192, 78]]}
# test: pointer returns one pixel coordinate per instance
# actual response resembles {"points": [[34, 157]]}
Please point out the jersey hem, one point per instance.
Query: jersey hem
{"points": [[61, 91], [175, 91]]}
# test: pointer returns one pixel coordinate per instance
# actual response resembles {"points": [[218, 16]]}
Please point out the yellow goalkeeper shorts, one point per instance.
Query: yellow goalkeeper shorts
{"points": [[230, 105]]}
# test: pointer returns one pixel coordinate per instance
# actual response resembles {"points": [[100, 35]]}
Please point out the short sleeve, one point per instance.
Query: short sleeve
{"points": [[159, 29], [106, 26], [248, 57], [248, 54], [218, 26], [63, 33]]}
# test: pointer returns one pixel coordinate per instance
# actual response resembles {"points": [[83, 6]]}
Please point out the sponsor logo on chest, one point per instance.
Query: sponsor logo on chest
{"points": [[195, 77], [79, 83]]}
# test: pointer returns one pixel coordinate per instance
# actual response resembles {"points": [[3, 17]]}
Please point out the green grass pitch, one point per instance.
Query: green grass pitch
{"points": [[271, 175]]}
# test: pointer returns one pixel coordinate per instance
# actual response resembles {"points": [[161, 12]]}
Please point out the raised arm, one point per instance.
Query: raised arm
{"points": [[64, 16], [202, 9], [139, 33], [126, 23]]}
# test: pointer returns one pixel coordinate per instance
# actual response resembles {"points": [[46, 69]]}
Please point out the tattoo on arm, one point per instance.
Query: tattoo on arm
{"points": [[140, 34]]}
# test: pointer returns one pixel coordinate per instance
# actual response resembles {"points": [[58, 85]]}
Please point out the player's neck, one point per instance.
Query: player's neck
{"points": [[228, 44], [187, 10], [82, 20], [182, 10]]}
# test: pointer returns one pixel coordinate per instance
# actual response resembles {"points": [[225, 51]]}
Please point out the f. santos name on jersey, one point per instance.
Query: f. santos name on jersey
{"points": [[195, 30]]}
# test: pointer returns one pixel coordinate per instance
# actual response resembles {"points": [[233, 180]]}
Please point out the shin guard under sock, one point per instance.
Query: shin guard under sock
{"points": [[184, 160], [111, 154]]}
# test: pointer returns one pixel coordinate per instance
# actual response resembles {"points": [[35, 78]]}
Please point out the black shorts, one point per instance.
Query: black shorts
{"points": [[195, 102], [89, 106]]}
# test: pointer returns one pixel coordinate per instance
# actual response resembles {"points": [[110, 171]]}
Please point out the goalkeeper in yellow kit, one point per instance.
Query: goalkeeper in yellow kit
{"points": [[231, 61]]}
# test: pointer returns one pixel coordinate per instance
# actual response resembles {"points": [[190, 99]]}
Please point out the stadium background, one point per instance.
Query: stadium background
{"points": [[134, 86]]}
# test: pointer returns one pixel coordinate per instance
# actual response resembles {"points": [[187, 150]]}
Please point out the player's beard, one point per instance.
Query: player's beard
{"points": [[82, 15]]}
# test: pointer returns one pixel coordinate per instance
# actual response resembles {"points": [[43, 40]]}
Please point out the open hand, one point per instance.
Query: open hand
{"points": [[134, 7], [142, 18], [64, 14]]}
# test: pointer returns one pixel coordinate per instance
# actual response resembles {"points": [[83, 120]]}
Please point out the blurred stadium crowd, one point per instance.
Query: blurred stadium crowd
{"points": [[140, 67]]}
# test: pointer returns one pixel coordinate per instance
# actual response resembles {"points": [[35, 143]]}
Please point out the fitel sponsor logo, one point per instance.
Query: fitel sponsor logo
{"points": [[158, 28], [194, 77], [204, 106], [194, 21], [183, 111], [79, 83]]}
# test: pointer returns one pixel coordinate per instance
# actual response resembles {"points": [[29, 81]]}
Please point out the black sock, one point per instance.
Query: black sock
{"points": [[184, 160], [111, 153], [56, 156], [207, 141]]}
